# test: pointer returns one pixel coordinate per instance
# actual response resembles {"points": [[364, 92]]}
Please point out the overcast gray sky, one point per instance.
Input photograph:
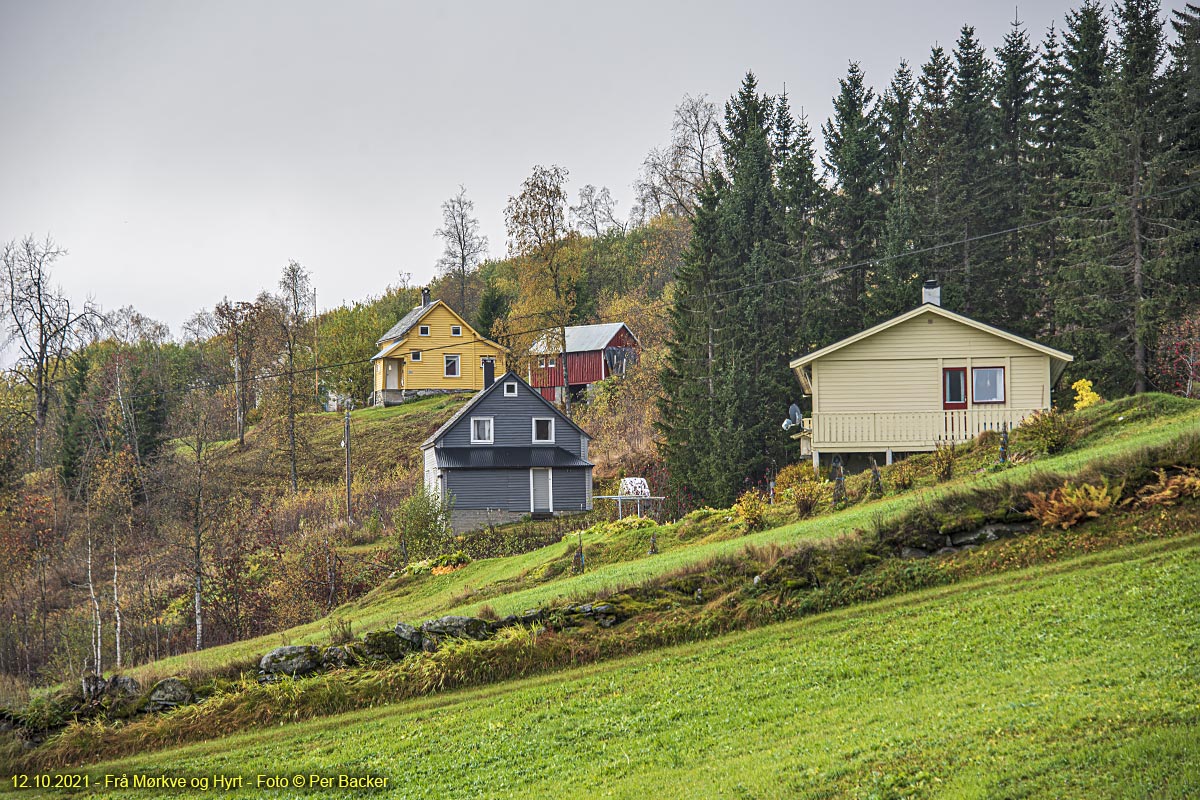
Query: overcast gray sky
{"points": [[184, 151]]}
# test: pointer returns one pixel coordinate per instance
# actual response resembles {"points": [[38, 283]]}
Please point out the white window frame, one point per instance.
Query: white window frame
{"points": [[491, 421], [423, 330], [510, 388], [551, 363], [457, 365], [415, 355], [533, 430], [456, 330], [999, 401]]}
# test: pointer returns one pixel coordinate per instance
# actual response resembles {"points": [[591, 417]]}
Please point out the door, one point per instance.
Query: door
{"points": [[393, 375], [540, 490], [489, 372], [954, 388]]}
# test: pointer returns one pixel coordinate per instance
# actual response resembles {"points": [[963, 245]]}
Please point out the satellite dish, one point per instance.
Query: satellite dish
{"points": [[794, 414]]}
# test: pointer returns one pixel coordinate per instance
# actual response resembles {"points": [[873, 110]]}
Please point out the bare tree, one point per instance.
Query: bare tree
{"points": [[465, 246], [596, 213], [198, 424], [672, 176], [291, 314], [42, 321]]}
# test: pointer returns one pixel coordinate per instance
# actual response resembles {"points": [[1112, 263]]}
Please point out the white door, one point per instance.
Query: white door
{"points": [[393, 375], [540, 491]]}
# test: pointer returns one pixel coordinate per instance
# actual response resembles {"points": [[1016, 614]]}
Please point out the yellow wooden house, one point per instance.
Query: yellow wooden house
{"points": [[433, 350], [921, 379]]}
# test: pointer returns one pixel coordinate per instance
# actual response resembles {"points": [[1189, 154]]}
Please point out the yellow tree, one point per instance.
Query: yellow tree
{"points": [[547, 274]]}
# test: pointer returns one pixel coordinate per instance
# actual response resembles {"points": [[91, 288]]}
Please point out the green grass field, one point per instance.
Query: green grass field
{"points": [[1076, 679]]}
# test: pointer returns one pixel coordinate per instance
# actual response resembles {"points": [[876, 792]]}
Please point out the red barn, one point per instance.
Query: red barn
{"points": [[594, 352]]}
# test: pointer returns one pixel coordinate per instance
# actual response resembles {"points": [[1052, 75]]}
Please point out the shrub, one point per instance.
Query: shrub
{"points": [[1085, 396], [902, 476], [808, 496], [422, 524], [943, 461], [1046, 431], [448, 562], [1069, 505], [793, 475], [1168, 489], [751, 510]]}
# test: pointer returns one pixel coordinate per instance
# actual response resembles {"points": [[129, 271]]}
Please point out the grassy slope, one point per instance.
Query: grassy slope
{"points": [[1077, 679], [1118, 428], [381, 438]]}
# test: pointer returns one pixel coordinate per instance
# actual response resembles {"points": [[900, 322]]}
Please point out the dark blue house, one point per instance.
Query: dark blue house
{"points": [[508, 453]]}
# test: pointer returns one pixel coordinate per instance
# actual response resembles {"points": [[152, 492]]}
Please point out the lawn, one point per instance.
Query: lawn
{"points": [[1117, 429], [1075, 679]]}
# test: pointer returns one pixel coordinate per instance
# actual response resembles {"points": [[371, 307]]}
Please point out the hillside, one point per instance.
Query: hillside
{"points": [[512, 584], [381, 438], [810, 567], [1073, 680]]}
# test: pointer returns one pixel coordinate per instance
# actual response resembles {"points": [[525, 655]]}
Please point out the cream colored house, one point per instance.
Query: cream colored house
{"points": [[924, 378]]}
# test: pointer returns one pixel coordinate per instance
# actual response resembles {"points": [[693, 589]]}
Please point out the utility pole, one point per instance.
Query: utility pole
{"points": [[349, 483]]}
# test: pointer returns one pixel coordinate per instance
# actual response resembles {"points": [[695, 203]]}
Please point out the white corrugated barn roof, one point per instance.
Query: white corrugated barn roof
{"points": [[582, 338]]}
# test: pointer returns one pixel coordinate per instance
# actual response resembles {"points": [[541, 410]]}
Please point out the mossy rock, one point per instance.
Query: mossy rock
{"points": [[169, 693], [384, 646]]}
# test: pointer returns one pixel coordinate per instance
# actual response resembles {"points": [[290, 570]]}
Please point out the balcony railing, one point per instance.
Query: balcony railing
{"points": [[912, 429]]}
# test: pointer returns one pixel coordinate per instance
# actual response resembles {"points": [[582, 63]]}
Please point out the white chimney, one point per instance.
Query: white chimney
{"points": [[931, 292]]}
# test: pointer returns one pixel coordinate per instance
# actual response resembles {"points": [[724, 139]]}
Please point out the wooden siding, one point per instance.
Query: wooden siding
{"points": [[512, 423], [431, 470], [508, 489], [900, 369], [931, 335], [582, 368], [429, 372]]}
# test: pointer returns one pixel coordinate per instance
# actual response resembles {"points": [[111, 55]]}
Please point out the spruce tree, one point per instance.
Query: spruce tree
{"points": [[1118, 282], [1048, 193], [1085, 53], [930, 180], [978, 279], [1015, 102], [896, 110], [854, 210]]}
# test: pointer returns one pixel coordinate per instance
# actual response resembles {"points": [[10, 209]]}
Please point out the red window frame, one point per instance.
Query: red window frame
{"points": [[946, 404], [1003, 388]]}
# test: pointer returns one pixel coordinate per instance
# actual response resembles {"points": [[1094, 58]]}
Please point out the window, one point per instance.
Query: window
{"points": [[543, 429], [452, 366], [550, 363], [423, 330], [456, 330], [415, 355], [954, 388], [481, 430], [987, 385], [510, 389]]}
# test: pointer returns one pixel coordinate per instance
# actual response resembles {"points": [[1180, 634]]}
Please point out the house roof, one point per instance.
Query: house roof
{"points": [[1058, 356], [478, 398], [405, 324], [506, 458], [583, 338], [410, 320]]}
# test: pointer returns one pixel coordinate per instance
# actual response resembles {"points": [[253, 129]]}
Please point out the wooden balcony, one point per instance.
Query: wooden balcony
{"points": [[905, 431]]}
